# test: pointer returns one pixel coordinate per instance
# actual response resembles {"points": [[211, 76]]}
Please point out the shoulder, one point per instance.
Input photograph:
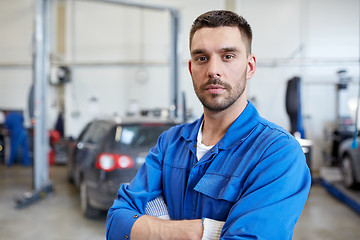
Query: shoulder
{"points": [[185, 131], [274, 128], [278, 154], [274, 139], [276, 132]]}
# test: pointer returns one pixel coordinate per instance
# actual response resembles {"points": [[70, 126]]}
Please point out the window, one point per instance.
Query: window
{"points": [[136, 136]]}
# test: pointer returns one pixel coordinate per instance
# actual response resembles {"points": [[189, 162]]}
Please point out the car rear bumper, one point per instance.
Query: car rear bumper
{"points": [[102, 187], [102, 195]]}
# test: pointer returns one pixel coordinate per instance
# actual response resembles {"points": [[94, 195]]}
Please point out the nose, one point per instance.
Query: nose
{"points": [[214, 67]]}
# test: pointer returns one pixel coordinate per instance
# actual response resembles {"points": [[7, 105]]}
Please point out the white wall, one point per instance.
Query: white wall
{"points": [[15, 53], [110, 34], [325, 31]]}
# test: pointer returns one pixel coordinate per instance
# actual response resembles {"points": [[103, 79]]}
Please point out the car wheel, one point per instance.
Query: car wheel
{"points": [[86, 209], [69, 171], [347, 170]]}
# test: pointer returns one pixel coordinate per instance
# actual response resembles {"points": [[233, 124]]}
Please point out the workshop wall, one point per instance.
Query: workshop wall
{"points": [[16, 19], [109, 43]]}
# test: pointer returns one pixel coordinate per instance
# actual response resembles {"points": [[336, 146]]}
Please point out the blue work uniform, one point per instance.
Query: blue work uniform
{"points": [[255, 179], [14, 122]]}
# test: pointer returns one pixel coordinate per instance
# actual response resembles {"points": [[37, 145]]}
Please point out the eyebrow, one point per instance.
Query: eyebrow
{"points": [[197, 51], [230, 49], [225, 49]]}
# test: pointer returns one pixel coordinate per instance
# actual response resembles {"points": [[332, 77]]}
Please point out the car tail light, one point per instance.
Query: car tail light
{"points": [[124, 161], [109, 162], [106, 162]]}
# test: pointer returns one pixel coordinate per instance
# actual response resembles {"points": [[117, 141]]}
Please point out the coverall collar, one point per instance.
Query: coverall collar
{"points": [[247, 121]]}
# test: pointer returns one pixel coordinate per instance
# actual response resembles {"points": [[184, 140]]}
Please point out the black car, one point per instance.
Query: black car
{"points": [[108, 154]]}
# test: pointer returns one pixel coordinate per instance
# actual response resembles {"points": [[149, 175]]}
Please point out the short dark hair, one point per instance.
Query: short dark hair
{"points": [[223, 18]]}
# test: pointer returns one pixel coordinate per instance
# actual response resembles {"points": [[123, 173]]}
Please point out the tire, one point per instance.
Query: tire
{"points": [[70, 176], [87, 210], [347, 169]]}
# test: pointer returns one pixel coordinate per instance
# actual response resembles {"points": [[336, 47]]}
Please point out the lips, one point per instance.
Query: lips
{"points": [[215, 89]]}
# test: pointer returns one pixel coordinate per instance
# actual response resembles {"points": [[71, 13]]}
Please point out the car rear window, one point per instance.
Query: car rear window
{"points": [[136, 136]]}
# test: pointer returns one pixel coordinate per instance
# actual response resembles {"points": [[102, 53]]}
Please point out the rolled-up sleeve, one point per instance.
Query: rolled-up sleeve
{"points": [[132, 199]]}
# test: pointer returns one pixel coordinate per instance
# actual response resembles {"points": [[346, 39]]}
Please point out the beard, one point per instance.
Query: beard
{"points": [[218, 102]]}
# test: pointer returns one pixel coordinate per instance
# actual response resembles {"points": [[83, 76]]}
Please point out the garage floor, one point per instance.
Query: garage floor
{"points": [[58, 217]]}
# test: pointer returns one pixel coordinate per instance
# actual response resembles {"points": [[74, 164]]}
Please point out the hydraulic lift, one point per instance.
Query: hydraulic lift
{"points": [[331, 178], [41, 68]]}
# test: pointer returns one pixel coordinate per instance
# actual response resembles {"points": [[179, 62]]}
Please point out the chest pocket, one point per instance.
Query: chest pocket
{"points": [[220, 187]]}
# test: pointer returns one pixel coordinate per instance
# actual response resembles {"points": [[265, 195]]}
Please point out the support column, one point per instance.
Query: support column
{"points": [[41, 72]]}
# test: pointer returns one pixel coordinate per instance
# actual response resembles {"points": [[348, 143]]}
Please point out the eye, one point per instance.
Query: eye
{"points": [[228, 56], [201, 59]]}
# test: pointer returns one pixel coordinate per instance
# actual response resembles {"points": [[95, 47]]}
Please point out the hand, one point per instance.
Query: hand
{"points": [[148, 227]]}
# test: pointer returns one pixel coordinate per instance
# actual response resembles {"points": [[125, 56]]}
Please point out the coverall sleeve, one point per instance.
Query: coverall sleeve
{"points": [[275, 194], [132, 199]]}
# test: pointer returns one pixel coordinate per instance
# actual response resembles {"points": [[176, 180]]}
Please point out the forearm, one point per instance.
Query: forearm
{"points": [[148, 227]]}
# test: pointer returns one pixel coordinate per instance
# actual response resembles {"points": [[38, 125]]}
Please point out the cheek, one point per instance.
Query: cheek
{"points": [[196, 70], [238, 69], [197, 75], [232, 73], [194, 80]]}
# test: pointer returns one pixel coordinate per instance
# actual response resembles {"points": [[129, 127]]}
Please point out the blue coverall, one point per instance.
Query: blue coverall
{"points": [[255, 179], [14, 122]]}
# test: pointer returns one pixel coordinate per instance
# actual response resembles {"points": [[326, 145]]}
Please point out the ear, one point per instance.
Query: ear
{"points": [[251, 67], [189, 65]]}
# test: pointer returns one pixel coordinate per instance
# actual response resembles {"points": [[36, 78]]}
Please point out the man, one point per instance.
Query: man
{"points": [[14, 122], [230, 165]]}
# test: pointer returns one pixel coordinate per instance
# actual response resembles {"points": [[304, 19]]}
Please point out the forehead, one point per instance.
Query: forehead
{"points": [[217, 37]]}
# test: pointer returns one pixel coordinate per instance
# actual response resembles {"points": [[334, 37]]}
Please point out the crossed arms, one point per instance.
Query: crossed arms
{"points": [[263, 202]]}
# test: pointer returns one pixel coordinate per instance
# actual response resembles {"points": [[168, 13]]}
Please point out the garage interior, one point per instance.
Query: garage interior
{"points": [[122, 54]]}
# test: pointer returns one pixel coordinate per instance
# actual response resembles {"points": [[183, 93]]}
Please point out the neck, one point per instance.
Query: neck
{"points": [[217, 123]]}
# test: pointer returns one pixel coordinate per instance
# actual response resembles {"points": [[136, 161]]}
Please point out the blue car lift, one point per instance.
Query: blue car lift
{"points": [[331, 179], [350, 198]]}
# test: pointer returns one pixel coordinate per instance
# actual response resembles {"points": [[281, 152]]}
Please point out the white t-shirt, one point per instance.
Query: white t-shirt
{"points": [[201, 148]]}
